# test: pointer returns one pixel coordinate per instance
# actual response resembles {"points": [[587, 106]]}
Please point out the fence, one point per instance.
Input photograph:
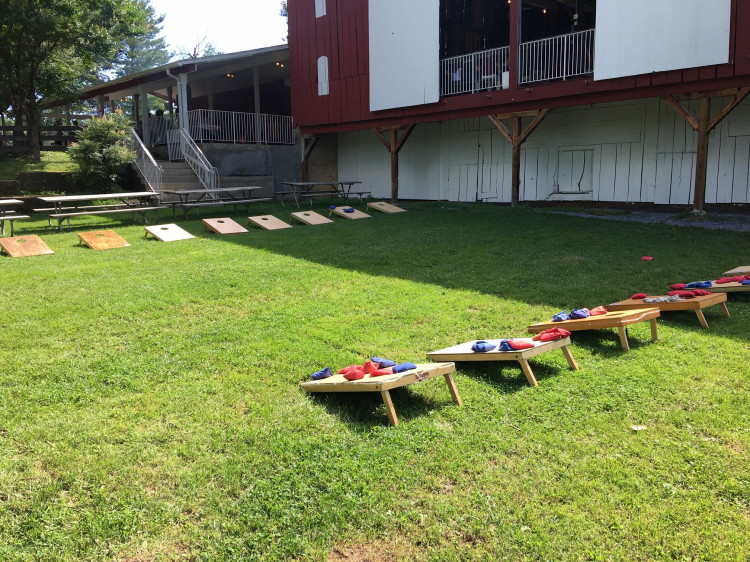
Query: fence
{"points": [[208, 125], [557, 58], [483, 70], [51, 137]]}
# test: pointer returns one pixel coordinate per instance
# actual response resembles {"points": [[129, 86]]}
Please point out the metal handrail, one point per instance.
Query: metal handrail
{"points": [[182, 147], [209, 125], [556, 58], [144, 161], [474, 72]]}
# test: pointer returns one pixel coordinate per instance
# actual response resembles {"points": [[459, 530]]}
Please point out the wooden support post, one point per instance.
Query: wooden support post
{"points": [[516, 139], [308, 143], [394, 145], [703, 126]]}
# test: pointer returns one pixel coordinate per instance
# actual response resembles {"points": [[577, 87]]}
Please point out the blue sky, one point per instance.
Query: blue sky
{"points": [[229, 25]]}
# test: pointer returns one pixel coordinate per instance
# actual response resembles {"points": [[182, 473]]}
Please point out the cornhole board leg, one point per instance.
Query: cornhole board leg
{"points": [[701, 318], [526, 368], [624, 337], [389, 409], [654, 330], [453, 389], [724, 309], [569, 358]]}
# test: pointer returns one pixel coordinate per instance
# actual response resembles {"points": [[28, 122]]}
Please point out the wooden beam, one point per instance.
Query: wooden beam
{"points": [[739, 96], [404, 136], [701, 157], [394, 144], [306, 150], [516, 139], [682, 111], [382, 139], [726, 93]]}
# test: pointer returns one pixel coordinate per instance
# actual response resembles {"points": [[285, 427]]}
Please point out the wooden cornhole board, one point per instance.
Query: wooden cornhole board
{"points": [[224, 225], [741, 270], [619, 319], [268, 222], [463, 352], [385, 207], [25, 246], [337, 383], [168, 232], [310, 217], [697, 304], [728, 288], [102, 240], [355, 214]]}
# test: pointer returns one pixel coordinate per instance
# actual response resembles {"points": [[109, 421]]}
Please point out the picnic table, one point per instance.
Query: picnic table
{"points": [[218, 197], [309, 189], [7, 215], [66, 206]]}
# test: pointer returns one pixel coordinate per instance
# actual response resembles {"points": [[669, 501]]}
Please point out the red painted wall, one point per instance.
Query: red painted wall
{"points": [[342, 36]]}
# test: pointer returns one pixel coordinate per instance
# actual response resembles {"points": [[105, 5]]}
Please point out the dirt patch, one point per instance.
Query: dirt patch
{"points": [[377, 551]]}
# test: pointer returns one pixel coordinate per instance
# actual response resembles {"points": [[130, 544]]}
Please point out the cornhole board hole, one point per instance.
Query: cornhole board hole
{"points": [[619, 319], [463, 352], [697, 304], [355, 214], [728, 288], [310, 217], [383, 384], [224, 225], [385, 207], [268, 222], [168, 232], [102, 240], [25, 246], [741, 270]]}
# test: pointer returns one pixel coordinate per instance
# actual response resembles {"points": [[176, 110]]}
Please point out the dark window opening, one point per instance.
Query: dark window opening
{"points": [[468, 26], [548, 18]]}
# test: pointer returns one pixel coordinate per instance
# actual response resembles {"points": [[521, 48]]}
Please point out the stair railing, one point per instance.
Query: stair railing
{"points": [[150, 171], [182, 147]]}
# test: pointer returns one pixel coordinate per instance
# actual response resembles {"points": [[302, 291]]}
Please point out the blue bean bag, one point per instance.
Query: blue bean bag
{"points": [[483, 346], [561, 316], [322, 374], [580, 313], [404, 367], [384, 363]]}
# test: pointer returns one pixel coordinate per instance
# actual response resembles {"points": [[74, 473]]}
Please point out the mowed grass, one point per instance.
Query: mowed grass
{"points": [[11, 165], [151, 407]]}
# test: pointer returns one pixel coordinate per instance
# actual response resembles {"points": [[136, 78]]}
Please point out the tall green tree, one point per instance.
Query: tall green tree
{"points": [[142, 52], [47, 46]]}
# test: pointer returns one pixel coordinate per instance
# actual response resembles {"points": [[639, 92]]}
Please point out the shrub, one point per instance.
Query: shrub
{"points": [[101, 152]]}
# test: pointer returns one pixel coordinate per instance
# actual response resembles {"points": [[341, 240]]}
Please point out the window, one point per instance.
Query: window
{"points": [[323, 76], [320, 8]]}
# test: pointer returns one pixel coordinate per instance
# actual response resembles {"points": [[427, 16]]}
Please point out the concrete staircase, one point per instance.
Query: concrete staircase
{"points": [[179, 175]]}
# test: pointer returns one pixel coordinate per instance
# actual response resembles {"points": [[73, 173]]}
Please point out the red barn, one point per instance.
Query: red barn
{"points": [[529, 100]]}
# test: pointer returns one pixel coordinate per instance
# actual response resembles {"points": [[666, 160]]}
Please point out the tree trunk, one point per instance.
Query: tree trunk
{"points": [[32, 122]]}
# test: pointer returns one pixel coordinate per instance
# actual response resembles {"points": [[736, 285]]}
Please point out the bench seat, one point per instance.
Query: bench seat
{"points": [[218, 203], [60, 217], [11, 219]]}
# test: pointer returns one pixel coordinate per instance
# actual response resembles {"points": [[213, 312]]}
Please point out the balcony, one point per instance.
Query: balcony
{"points": [[554, 58]]}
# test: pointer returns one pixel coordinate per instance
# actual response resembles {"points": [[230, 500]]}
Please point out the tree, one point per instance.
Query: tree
{"points": [[284, 13], [101, 152], [202, 48], [142, 52], [49, 48]]}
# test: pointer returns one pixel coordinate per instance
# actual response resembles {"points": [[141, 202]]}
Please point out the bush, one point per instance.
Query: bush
{"points": [[101, 152]]}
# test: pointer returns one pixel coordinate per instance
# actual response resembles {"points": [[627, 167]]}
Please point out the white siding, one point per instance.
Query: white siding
{"points": [[639, 151]]}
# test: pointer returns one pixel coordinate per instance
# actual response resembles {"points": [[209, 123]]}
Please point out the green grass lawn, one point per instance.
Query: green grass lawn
{"points": [[50, 162], [151, 408]]}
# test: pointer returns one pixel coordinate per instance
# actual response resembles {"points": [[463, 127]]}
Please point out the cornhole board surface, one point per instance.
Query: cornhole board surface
{"points": [[25, 246], [741, 270], [168, 232], [356, 214], [728, 288], [224, 225], [385, 207], [697, 304], [310, 217], [463, 352], [619, 319], [102, 240], [268, 222], [337, 383]]}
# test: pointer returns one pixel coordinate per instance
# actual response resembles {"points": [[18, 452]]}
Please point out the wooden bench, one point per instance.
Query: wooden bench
{"points": [[60, 217], [10, 218], [218, 203]]}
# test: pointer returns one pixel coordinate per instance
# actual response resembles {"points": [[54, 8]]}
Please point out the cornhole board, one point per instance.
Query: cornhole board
{"points": [[463, 352], [741, 270], [355, 214], [310, 217], [385, 207], [268, 222], [383, 384], [728, 288], [697, 304], [619, 319], [102, 240], [168, 232], [224, 225], [25, 246]]}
